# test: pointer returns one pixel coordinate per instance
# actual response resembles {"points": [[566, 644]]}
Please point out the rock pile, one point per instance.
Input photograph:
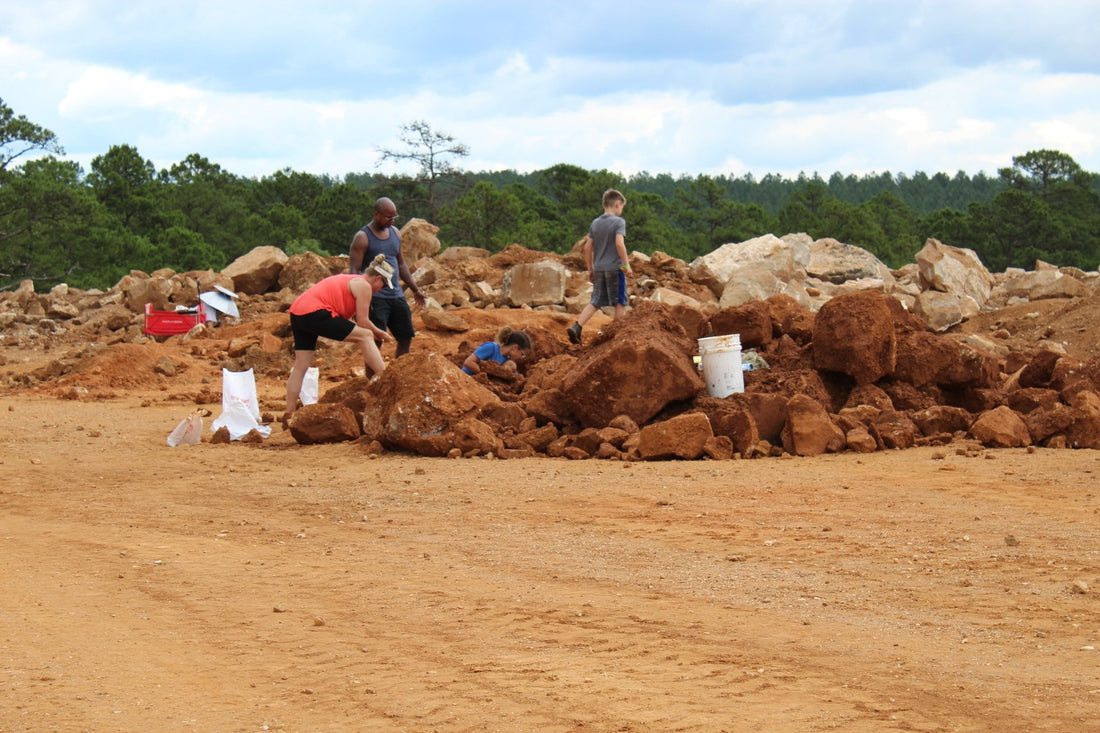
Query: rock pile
{"points": [[859, 357]]}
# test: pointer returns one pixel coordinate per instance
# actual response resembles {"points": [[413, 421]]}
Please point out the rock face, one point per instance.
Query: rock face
{"points": [[808, 430], [257, 271], [419, 240], [782, 258], [1001, 427], [534, 284], [684, 436], [954, 270], [1084, 431], [751, 321], [634, 370], [839, 263], [854, 335], [301, 271], [323, 423], [414, 404]]}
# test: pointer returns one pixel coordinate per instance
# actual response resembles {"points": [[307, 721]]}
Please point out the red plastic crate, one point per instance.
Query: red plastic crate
{"points": [[169, 323]]}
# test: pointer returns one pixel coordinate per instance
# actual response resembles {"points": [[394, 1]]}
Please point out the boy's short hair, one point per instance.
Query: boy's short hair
{"points": [[610, 196]]}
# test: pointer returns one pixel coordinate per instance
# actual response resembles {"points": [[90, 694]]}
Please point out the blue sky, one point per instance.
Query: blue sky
{"points": [[724, 87]]}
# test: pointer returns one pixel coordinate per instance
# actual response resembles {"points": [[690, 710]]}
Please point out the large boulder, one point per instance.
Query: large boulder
{"points": [[1044, 422], [894, 430], [1018, 285], [534, 284], [137, 290], [785, 259], [922, 357], [415, 403], [791, 318], [809, 431], [974, 368], [941, 419], [256, 272], [639, 366], [473, 437], [941, 311], [301, 271], [733, 422], [323, 423], [838, 263], [752, 322], [1001, 427], [954, 270], [419, 239], [1084, 432], [751, 282], [683, 436], [854, 335]]}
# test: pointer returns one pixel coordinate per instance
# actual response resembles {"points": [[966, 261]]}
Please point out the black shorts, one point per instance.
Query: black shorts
{"points": [[393, 315], [307, 328]]}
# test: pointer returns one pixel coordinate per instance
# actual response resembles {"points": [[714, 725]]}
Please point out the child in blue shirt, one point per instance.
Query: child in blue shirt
{"points": [[509, 348]]}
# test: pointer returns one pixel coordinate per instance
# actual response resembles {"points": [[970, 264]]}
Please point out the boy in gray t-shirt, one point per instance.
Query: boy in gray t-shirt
{"points": [[608, 266]]}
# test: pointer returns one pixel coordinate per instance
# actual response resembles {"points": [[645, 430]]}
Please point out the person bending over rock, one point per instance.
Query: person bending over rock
{"points": [[338, 308]]}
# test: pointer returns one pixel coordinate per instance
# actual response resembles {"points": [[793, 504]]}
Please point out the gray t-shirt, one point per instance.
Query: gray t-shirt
{"points": [[603, 230]]}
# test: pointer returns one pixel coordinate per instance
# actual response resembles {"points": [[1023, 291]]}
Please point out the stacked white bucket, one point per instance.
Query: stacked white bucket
{"points": [[721, 361]]}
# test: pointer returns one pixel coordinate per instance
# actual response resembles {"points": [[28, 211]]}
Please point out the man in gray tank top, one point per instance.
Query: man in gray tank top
{"points": [[389, 310]]}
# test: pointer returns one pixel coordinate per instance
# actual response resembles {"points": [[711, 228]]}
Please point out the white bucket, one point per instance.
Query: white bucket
{"points": [[721, 358]]}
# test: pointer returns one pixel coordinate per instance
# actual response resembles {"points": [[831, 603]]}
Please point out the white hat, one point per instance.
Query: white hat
{"points": [[219, 301], [379, 266]]}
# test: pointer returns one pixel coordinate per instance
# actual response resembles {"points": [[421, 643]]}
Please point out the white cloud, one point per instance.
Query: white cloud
{"points": [[104, 94], [707, 87], [515, 66]]}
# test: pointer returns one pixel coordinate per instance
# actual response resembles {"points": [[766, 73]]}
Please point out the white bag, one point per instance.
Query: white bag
{"points": [[240, 406], [310, 386], [189, 430], [240, 387]]}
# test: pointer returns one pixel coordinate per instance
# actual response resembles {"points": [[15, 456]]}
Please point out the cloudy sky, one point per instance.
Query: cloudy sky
{"points": [[688, 86]]}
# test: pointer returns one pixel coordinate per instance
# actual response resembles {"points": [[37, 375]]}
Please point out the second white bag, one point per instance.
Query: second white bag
{"points": [[240, 405], [310, 391], [189, 429]]}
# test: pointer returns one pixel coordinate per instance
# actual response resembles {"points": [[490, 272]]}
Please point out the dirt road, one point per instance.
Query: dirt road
{"points": [[287, 588]]}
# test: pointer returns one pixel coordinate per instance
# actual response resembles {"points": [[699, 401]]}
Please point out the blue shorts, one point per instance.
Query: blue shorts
{"points": [[393, 315], [608, 288], [306, 328]]}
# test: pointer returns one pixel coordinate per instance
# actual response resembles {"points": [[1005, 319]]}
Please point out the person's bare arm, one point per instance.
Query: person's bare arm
{"points": [[472, 363], [620, 247], [357, 252], [363, 293]]}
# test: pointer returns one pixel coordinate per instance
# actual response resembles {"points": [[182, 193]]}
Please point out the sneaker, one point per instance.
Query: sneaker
{"points": [[574, 332]]}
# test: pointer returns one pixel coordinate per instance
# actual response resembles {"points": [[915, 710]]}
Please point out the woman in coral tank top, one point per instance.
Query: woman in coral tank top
{"points": [[338, 308]]}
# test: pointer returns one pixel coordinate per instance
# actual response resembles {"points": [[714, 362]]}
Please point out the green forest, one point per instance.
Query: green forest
{"points": [[88, 228]]}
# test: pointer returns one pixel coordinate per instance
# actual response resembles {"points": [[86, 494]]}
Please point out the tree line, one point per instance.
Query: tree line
{"points": [[60, 223]]}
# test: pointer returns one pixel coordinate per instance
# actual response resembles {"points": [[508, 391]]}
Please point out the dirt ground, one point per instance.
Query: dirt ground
{"points": [[318, 588]]}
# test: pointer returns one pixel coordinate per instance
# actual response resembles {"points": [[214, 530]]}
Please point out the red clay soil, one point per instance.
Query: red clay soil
{"points": [[279, 587]]}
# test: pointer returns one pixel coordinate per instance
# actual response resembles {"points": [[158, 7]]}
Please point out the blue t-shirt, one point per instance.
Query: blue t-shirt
{"points": [[388, 247], [488, 351]]}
